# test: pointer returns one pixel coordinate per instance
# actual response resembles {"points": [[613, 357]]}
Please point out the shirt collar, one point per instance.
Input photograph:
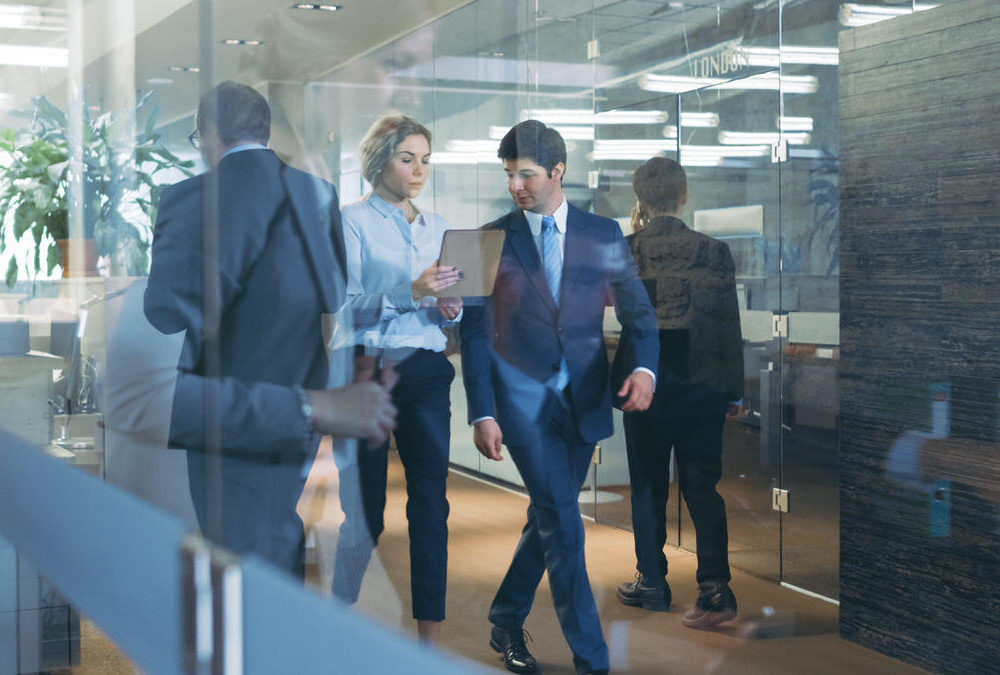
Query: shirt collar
{"points": [[241, 148], [388, 210], [535, 219]]}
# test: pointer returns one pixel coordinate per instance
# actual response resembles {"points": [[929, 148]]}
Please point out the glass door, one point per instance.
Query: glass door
{"points": [[725, 136]]}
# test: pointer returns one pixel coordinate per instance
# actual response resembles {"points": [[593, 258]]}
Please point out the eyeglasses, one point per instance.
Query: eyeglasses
{"points": [[194, 138]]}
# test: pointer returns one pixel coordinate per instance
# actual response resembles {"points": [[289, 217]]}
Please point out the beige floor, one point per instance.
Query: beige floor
{"points": [[780, 631]]}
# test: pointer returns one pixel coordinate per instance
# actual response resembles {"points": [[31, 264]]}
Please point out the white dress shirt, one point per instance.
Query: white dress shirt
{"points": [[385, 253]]}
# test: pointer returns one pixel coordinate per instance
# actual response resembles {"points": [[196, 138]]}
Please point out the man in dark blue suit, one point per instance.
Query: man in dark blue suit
{"points": [[536, 378], [248, 258]]}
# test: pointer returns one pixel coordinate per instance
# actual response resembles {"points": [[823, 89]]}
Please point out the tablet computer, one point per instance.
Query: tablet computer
{"points": [[477, 254]]}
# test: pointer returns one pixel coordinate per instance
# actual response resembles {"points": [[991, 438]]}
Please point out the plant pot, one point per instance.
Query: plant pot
{"points": [[89, 257]]}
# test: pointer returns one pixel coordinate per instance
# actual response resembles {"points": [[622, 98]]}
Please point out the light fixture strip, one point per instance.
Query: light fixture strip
{"points": [[29, 55], [318, 7], [556, 116]]}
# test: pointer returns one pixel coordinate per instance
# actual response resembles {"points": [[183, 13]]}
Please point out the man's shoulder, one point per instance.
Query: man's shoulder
{"points": [[594, 223], [503, 222]]}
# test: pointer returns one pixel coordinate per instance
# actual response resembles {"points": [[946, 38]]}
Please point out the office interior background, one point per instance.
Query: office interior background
{"points": [[846, 152]]}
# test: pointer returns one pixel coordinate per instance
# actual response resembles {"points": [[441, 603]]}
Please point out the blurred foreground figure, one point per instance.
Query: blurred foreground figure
{"points": [[253, 371], [691, 280]]}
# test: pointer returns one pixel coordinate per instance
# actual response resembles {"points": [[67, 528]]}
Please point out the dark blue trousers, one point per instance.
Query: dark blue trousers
{"points": [[689, 419], [554, 469], [258, 499], [423, 434]]}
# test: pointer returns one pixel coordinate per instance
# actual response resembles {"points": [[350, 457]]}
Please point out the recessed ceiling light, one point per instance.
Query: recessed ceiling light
{"points": [[159, 80], [184, 69], [247, 43], [310, 5]]}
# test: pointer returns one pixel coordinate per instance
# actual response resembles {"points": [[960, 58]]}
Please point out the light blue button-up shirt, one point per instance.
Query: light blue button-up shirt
{"points": [[385, 253]]}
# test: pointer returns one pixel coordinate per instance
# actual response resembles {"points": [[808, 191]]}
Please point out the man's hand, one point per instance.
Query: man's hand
{"points": [[365, 367], [638, 387], [734, 411], [449, 307], [434, 279], [361, 410], [488, 439]]}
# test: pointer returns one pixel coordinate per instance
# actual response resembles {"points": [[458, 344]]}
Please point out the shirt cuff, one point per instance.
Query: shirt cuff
{"points": [[480, 419], [640, 369]]}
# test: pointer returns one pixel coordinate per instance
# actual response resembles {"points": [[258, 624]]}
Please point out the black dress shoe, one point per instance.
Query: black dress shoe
{"points": [[716, 605], [645, 593], [510, 643]]}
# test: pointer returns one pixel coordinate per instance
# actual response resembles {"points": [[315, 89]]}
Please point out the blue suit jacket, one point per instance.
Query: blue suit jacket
{"points": [[281, 267], [513, 343]]}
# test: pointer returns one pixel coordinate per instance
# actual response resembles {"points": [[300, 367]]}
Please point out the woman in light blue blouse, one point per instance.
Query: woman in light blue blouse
{"points": [[393, 278]]}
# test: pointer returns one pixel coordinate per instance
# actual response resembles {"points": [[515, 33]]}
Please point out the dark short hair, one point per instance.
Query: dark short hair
{"points": [[533, 140], [659, 184], [236, 112], [382, 139]]}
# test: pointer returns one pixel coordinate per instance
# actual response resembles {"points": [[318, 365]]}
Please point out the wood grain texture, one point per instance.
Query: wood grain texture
{"points": [[920, 304]]}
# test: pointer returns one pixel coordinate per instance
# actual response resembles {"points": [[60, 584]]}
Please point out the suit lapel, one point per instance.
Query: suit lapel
{"points": [[523, 245], [311, 202]]}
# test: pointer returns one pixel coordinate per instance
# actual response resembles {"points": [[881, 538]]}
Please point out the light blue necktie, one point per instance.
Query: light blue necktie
{"points": [[551, 255], [552, 262]]}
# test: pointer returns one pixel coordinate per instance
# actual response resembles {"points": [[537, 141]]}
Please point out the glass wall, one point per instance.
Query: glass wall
{"points": [[98, 108]]}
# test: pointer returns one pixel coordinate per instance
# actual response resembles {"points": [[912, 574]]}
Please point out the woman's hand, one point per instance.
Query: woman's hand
{"points": [[449, 307], [433, 280]]}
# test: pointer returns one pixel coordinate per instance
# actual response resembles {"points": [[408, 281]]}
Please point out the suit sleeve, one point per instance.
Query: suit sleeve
{"points": [[731, 343], [476, 335], [632, 306]]}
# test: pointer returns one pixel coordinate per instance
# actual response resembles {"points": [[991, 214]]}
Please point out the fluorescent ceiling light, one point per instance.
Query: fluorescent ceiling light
{"points": [[486, 145], [771, 138], [310, 5], [468, 157], [580, 133], [772, 57], [795, 123], [584, 116], [854, 15], [678, 84], [184, 69], [637, 149], [788, 84], [245, 43], [30, 17], [698, 119], [703, 155], [726, 150], [674, 84], [24, 55], [160, 80]]}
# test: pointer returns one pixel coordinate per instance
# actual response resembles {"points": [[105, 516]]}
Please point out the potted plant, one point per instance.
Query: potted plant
{"points": [[120, 188]]}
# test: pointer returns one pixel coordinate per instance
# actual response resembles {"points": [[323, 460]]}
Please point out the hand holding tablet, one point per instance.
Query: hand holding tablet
{"points": [[475, 254]]}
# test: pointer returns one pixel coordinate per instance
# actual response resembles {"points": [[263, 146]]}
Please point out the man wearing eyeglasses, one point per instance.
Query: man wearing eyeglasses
{"points": [[247, 258]]}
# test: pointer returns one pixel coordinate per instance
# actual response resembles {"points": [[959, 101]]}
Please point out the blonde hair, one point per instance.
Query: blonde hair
{"points": [[382, 139]]}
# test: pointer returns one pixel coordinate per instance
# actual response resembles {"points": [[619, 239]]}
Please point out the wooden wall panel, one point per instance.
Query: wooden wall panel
{"points": [[920, 304]]}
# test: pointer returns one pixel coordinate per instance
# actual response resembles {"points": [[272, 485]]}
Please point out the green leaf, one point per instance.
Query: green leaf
{"points": [[48, 112], [12, 272], [54, 257], [24, 217]]}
